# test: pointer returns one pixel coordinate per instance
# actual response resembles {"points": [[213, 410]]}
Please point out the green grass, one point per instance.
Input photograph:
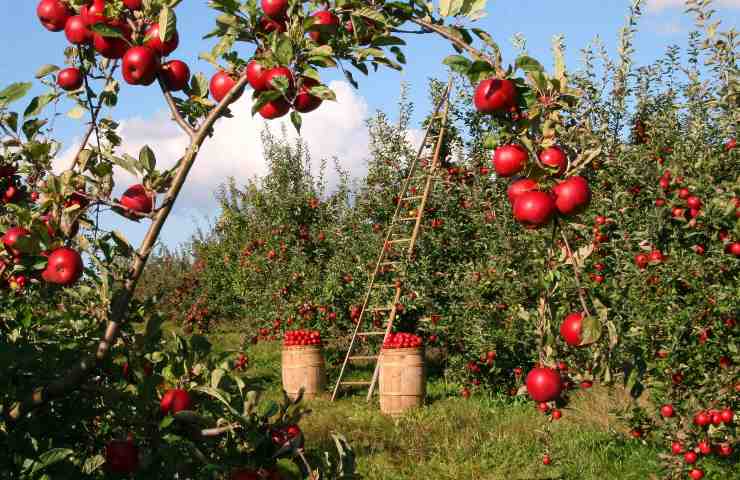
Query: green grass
{"points": [[478, 438]]}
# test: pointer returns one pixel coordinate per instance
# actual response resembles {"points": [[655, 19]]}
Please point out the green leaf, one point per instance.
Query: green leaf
{"points": [[295, 117], [147, 160], [46, 70], [529, 64], [14, 92], [50, 457], [77, 112], [38, 103], [107, 31], [167, 24], [324, 93], [216, 376], [450, 8], [218, 395]]}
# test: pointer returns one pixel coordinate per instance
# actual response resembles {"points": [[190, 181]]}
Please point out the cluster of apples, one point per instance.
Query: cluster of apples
{"points": [[532, 206], [141, 50], [402, 340], [301, 338], [11, 190]]}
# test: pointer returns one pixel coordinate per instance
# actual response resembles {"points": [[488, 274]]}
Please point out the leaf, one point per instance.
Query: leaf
{"points": [[93, 463], [77, 112], [14, 92], [50, 457], [591, 330], [38, 103], [167, 24], [107, 31], [218, 395], [529, 64], [450, 8], [295, 118], [147, 160], [46, 70], [216, 376]]}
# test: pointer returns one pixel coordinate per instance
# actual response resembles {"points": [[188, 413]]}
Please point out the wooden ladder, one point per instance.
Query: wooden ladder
{"points": [[398, 235]]}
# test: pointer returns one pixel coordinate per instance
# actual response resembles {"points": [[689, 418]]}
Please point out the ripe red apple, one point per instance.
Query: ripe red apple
{"points": [[465, 393], [175, 400], [690, 457], [683, 193], [64, 267], [546, 460], [733, 249], [544, 384], [137, 198], [518, 187], [656, 256], [76, 30], [305, 102], [572, 328], [572, 195], [694, 202], [724, 450], [327, 23], [70, 79], [727, 416], [112, 47], [278, 72], [140, 66], [121, 456], [275, 109], [555, 158], [667, 410], [53, 14], [641, 260], [11, 237], [696, 474], [221, 84], [677, 448], [94, 13], [269, 25], [495, 95], [557, 414], [509, 160], [176, 75], [275, 8], [155, 43], [133, 4], [534, 209], [256, 76], [705, 447], [702, 419]]}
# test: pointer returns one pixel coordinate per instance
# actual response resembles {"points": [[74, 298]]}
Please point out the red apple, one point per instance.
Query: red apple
{"points": [[696, 474], [571, 329], [534, 209], [256, 76], [690, 457], [53, 14], [724, 450], [121, 456], [155, 43], [702, 419], [508, 160], [327, 23], [727, 415], [76, 30], [137, 198], [95, 13], [572, 195], [667, 411], [694, 202], [683, 193], [305, 102], [555, 158], [518, 187], [140, 66], [11, 237], [733, 249], [221, 84], [275, 8], [677, 448], [133, 4], [641, 260], [705, 447], [175, 400], [277, 72], [70, 79], [64, 267], [112, 47], [270, 25], [656, 256], [544, 384], [176, 75], [495, 95], [275, 109]]}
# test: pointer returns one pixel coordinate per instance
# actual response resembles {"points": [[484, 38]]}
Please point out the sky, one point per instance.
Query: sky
{"points": [[335, 129]]}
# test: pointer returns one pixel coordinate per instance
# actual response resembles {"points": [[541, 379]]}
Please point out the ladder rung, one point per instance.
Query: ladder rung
{"points": [[355, 383], [366, 334], [408, 219], [363, 357]]}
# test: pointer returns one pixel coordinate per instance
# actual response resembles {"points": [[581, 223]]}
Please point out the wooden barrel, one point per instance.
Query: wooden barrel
{"points": [[303, 367], [402, 379]]}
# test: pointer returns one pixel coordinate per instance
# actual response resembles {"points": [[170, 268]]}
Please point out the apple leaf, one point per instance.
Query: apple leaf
{"points": [[262, 98], [295, 117], [13, 92], [46, 70], [50, 457], [38, 103], [324, 93], [450, 8], [107, 31], [387, 40], [167, 24], [77, 112], [369, 13], [529, 64], [147, 160]]}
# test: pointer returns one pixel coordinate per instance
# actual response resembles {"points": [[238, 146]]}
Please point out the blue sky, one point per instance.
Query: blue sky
{"points": [[26, 46]]}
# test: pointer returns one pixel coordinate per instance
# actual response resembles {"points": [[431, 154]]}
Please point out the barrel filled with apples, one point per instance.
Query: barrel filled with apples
{"points": [[402, 376], [303, 364]]}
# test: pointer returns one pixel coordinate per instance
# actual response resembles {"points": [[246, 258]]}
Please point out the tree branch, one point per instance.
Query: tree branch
{"points": [[122, 298], [576, 271], [176, 116]]}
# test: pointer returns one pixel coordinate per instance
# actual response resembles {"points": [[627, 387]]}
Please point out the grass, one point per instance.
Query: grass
{"points": [[479, 438]]}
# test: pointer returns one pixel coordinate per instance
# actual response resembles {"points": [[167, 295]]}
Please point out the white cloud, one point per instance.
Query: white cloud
{"points": [[658, 5], [336, 129], [668, 28]]}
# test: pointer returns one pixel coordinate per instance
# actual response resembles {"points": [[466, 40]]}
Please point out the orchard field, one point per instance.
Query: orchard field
{"points": [[575, 283]]}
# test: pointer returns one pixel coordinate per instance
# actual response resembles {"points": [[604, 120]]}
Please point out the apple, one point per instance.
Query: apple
{"points": [[221, 84], [571, 329], [256, 76], [274, 109], [534, 208], [155, 43], [76, 30], [70, 79], [700, 249], [656, 256], [121, 456], [557, 414], [690, 457], [694, 202], [508, 160], [544, 384], [659, 202], [572, 195], [53, 14], [327, 23], [175, 400], [555, 158], [137, 198], [641, 260], [140, 66], [494, 95], [269, 25], [683, 193], [546, 460], [677, 448], [465, 393], [705, 447], [64, 267], [664, 183], [176, 75], [133, 5], [112, 47], [724, 450], [667, 411], [696, 474], [518, 187], [727, 416], [275, 8], [11, 237], [702, 419], [277, 72], [305, 102], [733, 248], [95, 13]]}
